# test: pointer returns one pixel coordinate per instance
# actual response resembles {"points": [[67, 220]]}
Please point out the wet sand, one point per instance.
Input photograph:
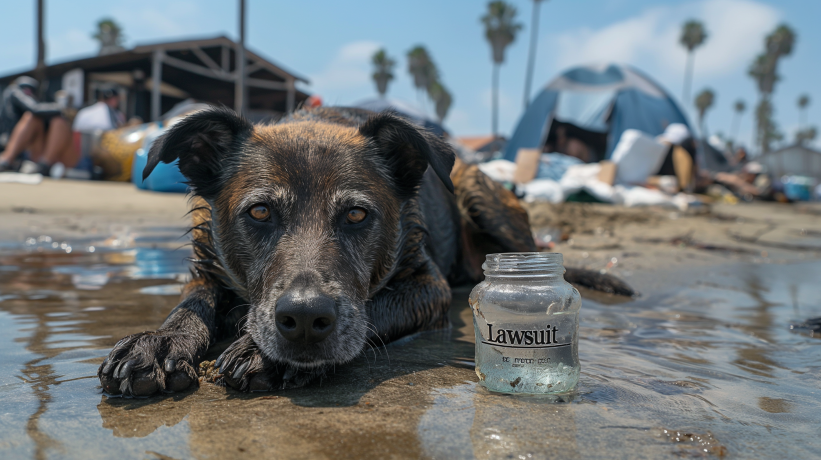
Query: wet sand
{"points": [[705, 353]]}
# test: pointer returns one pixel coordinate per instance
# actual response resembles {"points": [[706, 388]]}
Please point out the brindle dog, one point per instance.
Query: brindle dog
{"points": [[313, 237]]}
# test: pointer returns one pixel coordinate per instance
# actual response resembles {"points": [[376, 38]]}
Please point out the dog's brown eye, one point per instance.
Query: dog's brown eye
{"points": [[259, 212], [356, 215]]}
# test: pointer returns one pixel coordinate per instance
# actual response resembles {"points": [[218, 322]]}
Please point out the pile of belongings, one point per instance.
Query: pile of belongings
{"points": [[626, 179]]}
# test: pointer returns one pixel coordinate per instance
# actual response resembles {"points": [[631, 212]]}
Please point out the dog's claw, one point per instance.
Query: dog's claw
{"points": [[124, 370], [240, 370], [170, 365]]}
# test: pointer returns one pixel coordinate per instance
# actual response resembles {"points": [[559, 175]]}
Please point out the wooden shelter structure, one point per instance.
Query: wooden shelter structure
{"points": [[155, 77]]}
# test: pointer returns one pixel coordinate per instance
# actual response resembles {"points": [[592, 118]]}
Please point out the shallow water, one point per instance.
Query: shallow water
{"points": [[703, 364]]}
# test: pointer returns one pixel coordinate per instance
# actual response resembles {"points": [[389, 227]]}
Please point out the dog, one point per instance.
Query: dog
{"points": [[313, 237]]}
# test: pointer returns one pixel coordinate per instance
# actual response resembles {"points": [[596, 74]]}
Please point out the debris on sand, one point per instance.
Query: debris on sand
{"points": [[689, 242], [811, 327], [695, 445], [208, 373]]}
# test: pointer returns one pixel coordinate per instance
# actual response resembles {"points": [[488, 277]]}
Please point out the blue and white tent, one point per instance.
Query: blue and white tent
{"points": [[606, 99]]}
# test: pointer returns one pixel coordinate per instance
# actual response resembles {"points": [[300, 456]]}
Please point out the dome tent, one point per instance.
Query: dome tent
{"points": [[603, 100]]}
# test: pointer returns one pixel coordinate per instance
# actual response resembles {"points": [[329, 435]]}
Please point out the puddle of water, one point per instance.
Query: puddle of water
{"points": [[702, 365]]}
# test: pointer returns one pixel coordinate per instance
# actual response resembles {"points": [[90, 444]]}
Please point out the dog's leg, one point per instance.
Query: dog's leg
{"points": [[416, 302], [164, 360], [597, 281], [494, 221]]}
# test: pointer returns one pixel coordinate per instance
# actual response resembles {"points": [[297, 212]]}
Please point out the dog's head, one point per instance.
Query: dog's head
{"points": [[306, 218]]}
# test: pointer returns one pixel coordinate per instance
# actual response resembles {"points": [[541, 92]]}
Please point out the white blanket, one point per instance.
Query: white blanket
{"points": [[585, 177]]}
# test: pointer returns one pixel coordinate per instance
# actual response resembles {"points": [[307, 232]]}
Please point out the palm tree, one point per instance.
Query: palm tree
{"points": [[739, 107], [383, 71], [441, 98], [803, 102], [500, 31], [704, 101], [531, 53], [764, 71], [110, 36], [423, 70], [692, 36]]}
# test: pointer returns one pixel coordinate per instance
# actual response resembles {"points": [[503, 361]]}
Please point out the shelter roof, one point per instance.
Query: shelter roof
{"points": [[144, 51]]}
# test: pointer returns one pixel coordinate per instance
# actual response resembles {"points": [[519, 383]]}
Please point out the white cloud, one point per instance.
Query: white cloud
{"points": [[735, 27], [350, 69]]}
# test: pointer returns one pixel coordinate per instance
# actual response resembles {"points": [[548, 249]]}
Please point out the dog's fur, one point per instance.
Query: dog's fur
{"points": [[430, 221]]}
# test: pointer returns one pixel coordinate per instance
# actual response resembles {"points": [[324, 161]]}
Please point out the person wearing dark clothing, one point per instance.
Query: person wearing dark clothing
{"points": [[27, 124]]}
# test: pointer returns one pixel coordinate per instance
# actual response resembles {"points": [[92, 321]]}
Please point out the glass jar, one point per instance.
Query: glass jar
{"points": [[526, 318]]}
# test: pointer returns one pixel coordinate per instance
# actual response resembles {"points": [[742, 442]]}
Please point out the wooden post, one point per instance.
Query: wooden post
{"points": [[40, 69], [291, 99], [224, 62], [156, 79], [239, 88]]}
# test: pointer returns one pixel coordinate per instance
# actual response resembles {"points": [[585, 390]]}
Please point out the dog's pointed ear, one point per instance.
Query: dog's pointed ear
{"points": [[201, 141], [408, 150]]}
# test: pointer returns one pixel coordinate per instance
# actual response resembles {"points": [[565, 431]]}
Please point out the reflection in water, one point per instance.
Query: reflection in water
{"points": [[711, 358], [41, 377], [754, 357], [523, 427], [44, 286]]}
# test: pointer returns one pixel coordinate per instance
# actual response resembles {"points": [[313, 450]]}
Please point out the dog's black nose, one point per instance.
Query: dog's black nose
{"points": [[305, 316]]}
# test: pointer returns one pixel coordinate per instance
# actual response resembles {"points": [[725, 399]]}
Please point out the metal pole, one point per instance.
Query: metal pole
{"points": [[239, 89], [531, 58], [40, 69], [156, 79]]}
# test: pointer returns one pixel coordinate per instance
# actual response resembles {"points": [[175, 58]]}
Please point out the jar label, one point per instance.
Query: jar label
{"points": [[547, 336]]}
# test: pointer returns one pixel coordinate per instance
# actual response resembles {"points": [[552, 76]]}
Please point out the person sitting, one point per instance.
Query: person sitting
{"points": [[27, 124], [680, 160], [102, 115]]}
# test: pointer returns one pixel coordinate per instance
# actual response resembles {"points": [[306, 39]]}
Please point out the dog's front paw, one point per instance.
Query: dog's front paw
{"points": [[244, 368], [149, 362]]}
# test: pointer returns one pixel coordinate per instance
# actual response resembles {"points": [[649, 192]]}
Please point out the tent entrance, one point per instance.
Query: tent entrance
{"points": [[569, 139]]}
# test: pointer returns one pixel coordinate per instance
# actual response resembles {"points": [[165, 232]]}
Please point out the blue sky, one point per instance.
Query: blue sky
{"points": [[330, 42]]}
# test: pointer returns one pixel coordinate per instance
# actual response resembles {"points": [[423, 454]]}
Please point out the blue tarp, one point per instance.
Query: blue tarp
{"points": [[605, 99]]}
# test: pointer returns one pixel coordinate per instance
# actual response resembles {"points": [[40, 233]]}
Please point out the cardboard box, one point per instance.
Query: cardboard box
{"points": [[527, 165], [607, 173]]}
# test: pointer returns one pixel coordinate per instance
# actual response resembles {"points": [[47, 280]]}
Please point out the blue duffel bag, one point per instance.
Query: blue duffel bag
{"points": [[164, 178]]}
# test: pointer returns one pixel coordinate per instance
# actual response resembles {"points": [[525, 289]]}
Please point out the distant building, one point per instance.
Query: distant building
{"points": [[796, 160], [155, 77]]}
